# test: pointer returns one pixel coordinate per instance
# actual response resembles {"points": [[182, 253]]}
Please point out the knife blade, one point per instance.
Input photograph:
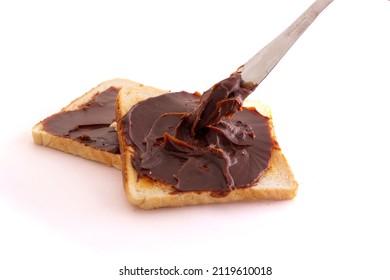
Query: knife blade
{"points": [[256, 69]]}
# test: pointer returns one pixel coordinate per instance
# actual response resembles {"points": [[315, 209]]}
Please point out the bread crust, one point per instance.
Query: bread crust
{"points": [[67, 145], [276, 183]]}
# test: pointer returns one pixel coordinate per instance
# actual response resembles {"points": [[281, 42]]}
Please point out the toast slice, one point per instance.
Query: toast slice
{"points": [[276, 183], [82, 146]]}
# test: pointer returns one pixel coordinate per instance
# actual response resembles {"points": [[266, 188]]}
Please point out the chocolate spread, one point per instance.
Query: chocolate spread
{"points": [[200, 142], [90, 124]]}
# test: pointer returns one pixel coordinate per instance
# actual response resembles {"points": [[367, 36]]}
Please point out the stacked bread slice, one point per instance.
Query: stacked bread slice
{"points": [[66, 144]]}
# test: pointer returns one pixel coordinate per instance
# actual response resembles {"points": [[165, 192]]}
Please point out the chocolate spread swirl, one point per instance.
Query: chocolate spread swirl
{"points": [[198, 143]]}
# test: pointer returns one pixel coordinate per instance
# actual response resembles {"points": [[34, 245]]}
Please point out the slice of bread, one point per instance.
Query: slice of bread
{"points": [[68, 145], [276, 183]]}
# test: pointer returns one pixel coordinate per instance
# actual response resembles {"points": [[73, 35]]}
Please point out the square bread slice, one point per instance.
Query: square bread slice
{"points": [[82, 149], [276, 183]]}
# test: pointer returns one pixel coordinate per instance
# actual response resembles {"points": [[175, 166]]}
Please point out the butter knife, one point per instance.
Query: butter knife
{"points": [[259, 66]]}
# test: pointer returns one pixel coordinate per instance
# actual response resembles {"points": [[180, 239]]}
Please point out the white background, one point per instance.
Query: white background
{"points": [[63, 217]]}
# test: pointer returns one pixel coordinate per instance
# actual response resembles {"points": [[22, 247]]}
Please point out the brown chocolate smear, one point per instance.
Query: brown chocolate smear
{"points": [[198, 143], [90, 124]]}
